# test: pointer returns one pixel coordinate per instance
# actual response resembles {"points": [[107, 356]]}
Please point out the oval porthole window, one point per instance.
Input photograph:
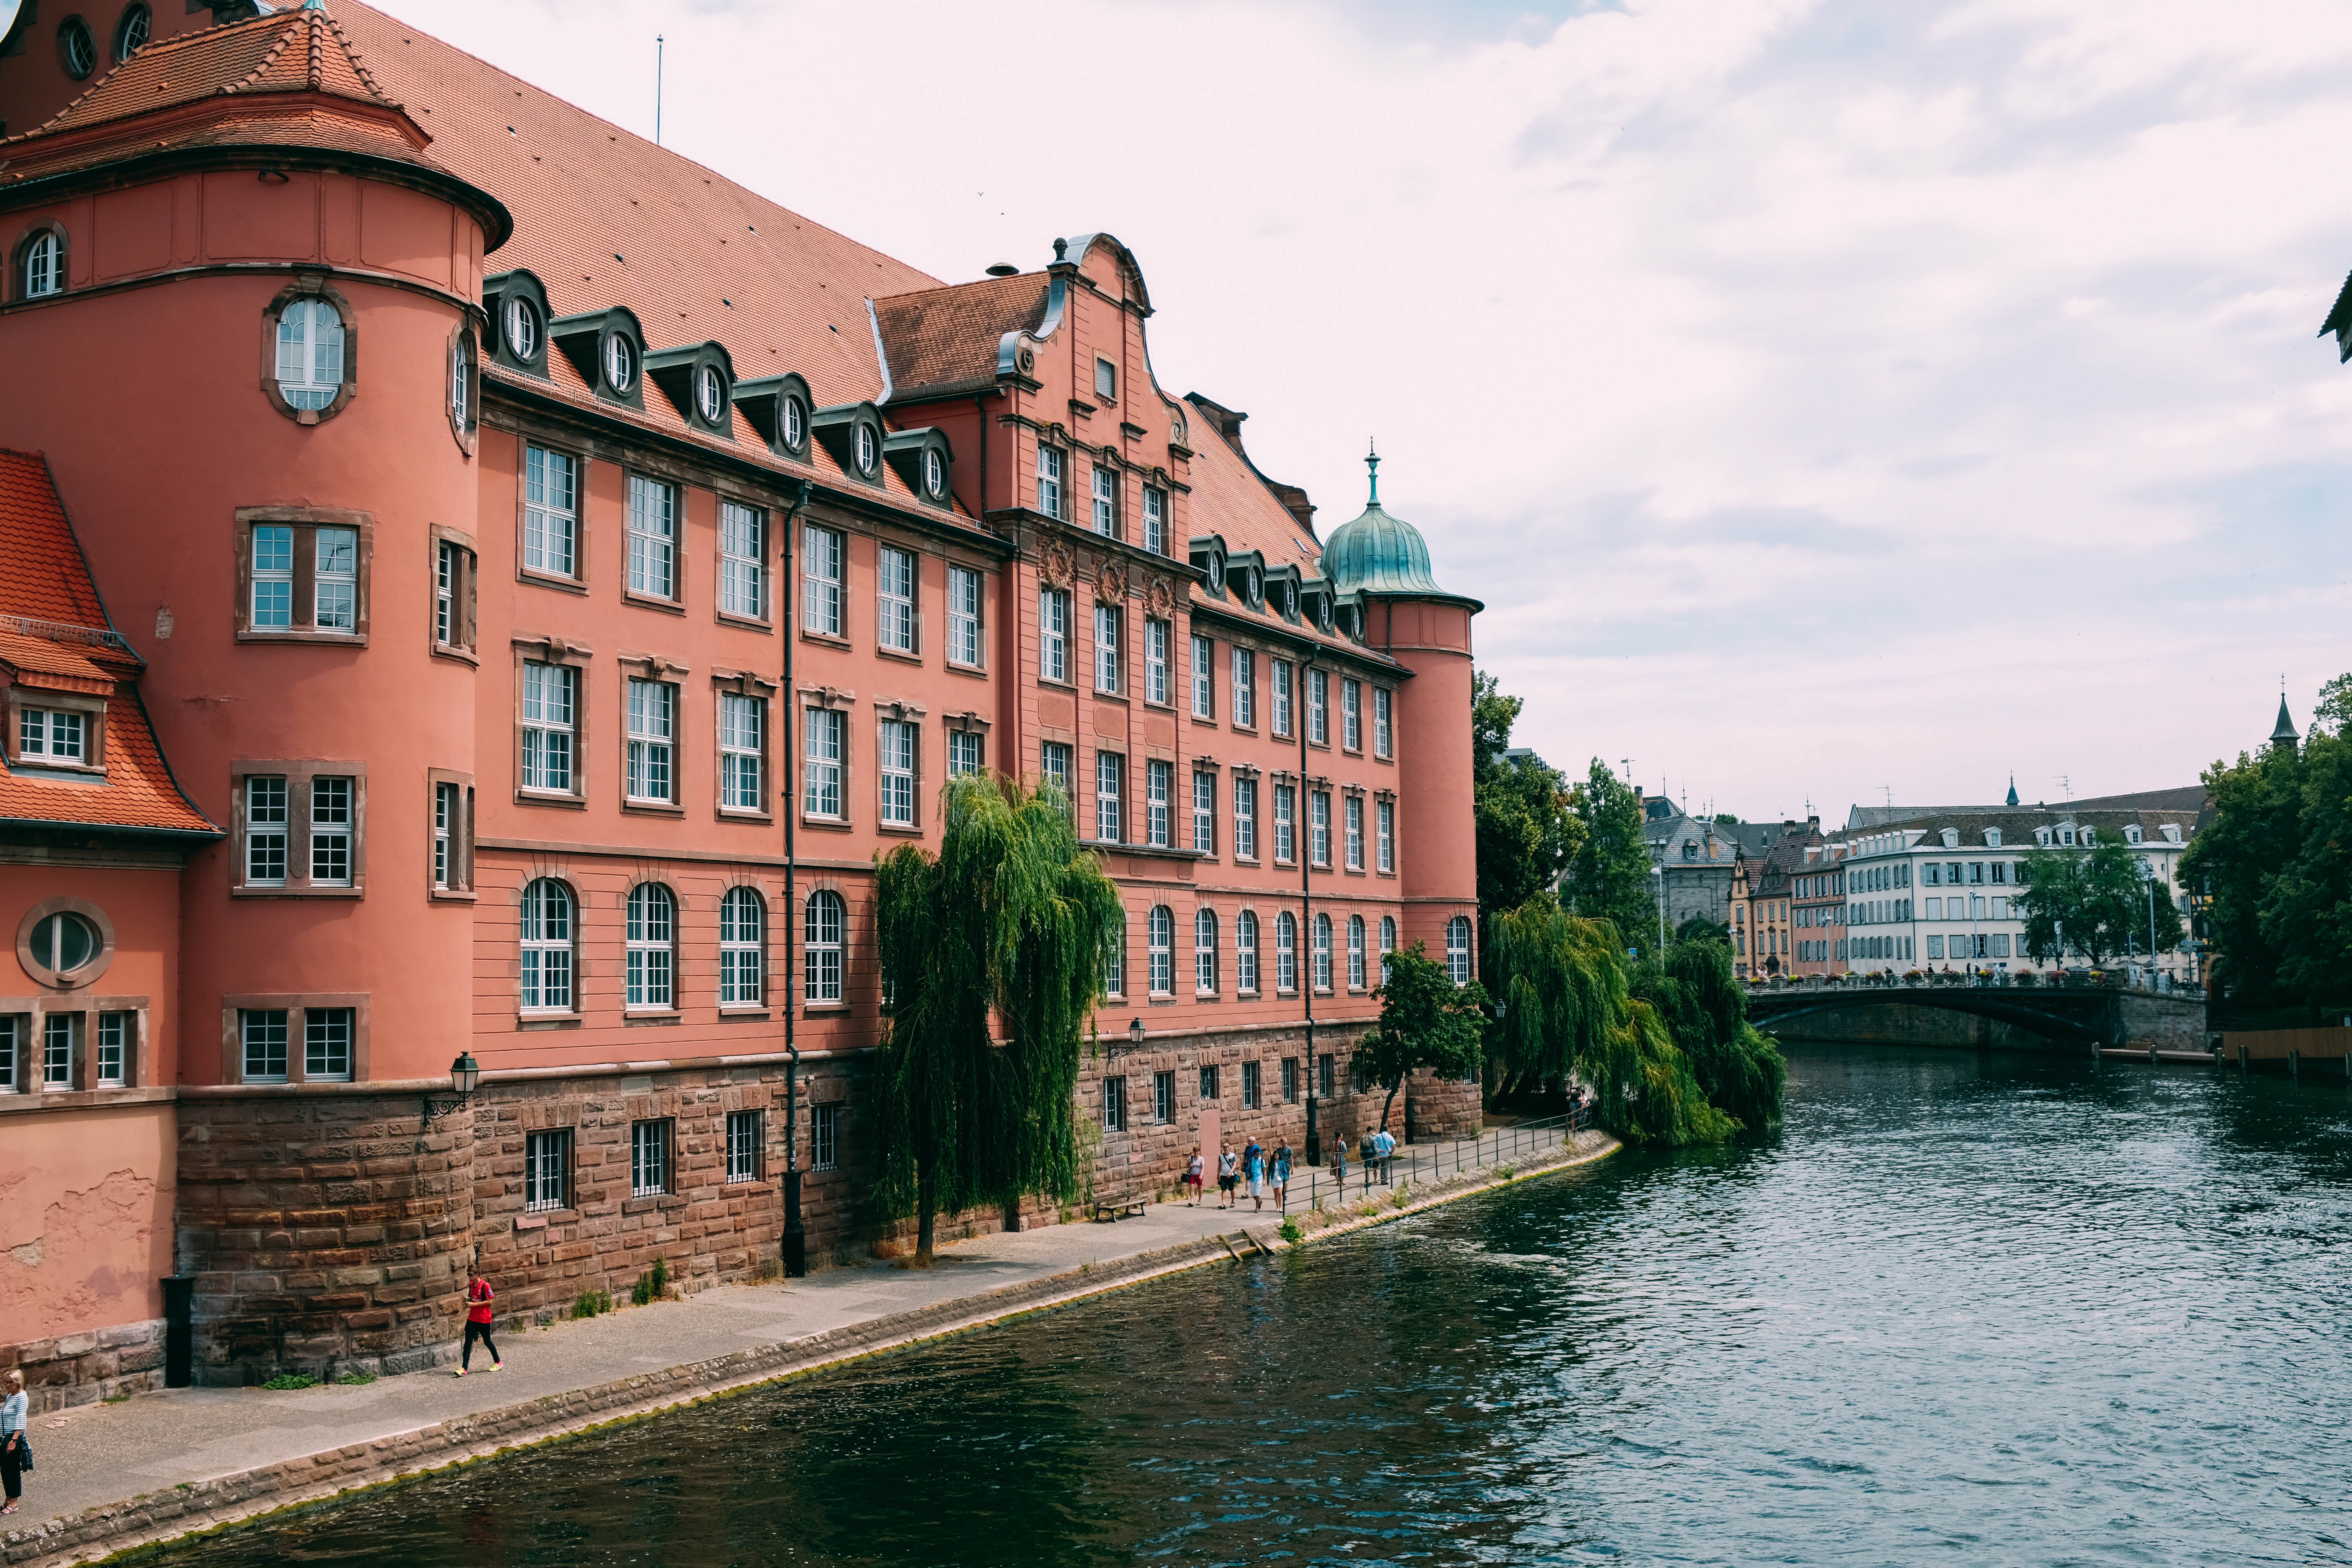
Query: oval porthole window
{"points": [[620, 363], [1256, 588], [865, 443], [131, 33], [522, 328], [63, 943], [795, 423], [709, 394], [1290, 598], [935, 473], [76, 48]]}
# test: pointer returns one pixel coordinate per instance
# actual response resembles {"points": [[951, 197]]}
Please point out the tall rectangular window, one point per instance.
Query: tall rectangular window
{"points": [[652, 741], [1281, 670], [1054, 634], [273, 576], [449, 838], [1163, 1097], [1385, 816], [551, 513], [1159, 783], [551, 694], [1114, 1101], [262, 1031], [1351, 715], [648, 1158], [894, 761], [337, 583], [1115, 961], [1244, 665], [1326, 1076], [1111, 813], [1246, 819], [828, 732], [547, 1170], [331, 831], [1286, 800], [825, 569], [327, 1043], [743, 560], [1250, 1074], [894, 598], [745, 1140], [12, 1051], [266, 826], [60, 1049], [742, 737], [1355, 826], [1106, 485], [1156, 633], [1155, 519], [117, 1041], [1204, 699], [1209, 1083], [1290, 1080], [963, 616], [1319, 717], [1053, 764], [653, 538], [1204, 812], [824, 1137], [1384, 737], [966, 752], [1319, 817], [1049, 481], [1107, 619], [448, 595]]}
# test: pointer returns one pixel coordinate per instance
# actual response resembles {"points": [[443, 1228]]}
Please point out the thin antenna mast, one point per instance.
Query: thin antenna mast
{"points": [[657, 87]]}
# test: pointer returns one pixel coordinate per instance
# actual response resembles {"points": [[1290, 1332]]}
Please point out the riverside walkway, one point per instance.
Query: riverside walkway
{"points": [[188, 1459]]}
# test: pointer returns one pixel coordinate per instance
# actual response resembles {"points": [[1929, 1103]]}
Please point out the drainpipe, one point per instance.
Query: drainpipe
{"points": [[795, 1236], [1305, 952]]}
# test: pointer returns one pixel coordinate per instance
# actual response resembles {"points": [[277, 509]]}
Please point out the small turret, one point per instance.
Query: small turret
{"points": [[2283, 732]]}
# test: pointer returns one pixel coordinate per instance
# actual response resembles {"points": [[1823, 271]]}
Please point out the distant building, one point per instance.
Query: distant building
{"points": [[1697, 856], [1763, 914]]}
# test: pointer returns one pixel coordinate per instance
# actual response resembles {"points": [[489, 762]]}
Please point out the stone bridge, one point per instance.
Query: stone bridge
{"points": [[2086, 1018]]}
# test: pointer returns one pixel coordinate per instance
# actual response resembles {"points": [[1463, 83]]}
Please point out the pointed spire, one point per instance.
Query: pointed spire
{"points": [[1372, 463], [2283, 732], [2012, 789]]}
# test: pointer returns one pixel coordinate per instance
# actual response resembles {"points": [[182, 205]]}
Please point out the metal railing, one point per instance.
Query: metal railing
{"points": [[1310, 1188]]}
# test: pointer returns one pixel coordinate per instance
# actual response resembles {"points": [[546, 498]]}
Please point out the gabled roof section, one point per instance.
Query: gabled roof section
{"points": [[54, 635], [2339, 324], [943, 342]]}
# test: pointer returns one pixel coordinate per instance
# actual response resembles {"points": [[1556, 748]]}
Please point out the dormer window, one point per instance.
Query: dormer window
{"points": [[2131, 833], [935, 474], [2041, 838], [709, 393], [1951, 837], [795, 423], [869, 450], [45, 266], [620, 363], [2171, 831], [49, 735], [522, 327], [1992, 837], [1255, 581], [311, 338], [77, 48], [2090, 837]]}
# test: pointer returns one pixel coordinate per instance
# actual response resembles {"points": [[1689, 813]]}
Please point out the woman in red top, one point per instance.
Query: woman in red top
{"points": [[479, 1297]]}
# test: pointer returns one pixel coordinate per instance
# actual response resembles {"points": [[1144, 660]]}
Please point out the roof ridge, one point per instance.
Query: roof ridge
{"points": [[357, 63], [266, 61], [161, 46]]}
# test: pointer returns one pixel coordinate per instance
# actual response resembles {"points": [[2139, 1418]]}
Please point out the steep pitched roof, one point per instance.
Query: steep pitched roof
{"points": [[289, 51], [940, 341], [54, 635]]}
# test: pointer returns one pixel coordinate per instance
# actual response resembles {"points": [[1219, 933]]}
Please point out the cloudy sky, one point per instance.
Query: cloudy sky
{"points": [[1826, 399]]}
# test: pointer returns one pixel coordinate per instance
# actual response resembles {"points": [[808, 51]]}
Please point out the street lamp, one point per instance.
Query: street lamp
{"points": [[464, 1073], [1658, 875]]}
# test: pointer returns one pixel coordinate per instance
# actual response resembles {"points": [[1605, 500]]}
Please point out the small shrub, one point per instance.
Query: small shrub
{"points": [[1403, 1196], [653, 1285], [284, 1381], [1291, 1233], [589, 1303], [356, 1379]]}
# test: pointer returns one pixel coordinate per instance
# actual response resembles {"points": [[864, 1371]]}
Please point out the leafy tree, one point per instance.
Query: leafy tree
{"points": [[2307, 908], [1725, 819], [1011, 921], [1525, 832], [1705, 1009], [1426, 1021], [2257, 831], [1609, 875], [2333, 712], [1698, 928], [2094, 903]]}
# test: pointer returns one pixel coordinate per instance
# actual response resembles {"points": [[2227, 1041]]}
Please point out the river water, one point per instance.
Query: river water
{"points": [[1964, 1309]]}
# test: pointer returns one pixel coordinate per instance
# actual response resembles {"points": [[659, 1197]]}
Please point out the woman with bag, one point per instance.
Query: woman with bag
{"points": [[16, 1451]]}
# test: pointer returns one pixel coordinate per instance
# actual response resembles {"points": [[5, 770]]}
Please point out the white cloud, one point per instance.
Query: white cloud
{"points": [[1823, 396]]}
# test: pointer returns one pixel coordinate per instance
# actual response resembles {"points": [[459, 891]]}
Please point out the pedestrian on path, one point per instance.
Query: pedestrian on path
{"points": [[1257, 1176], [1192, 1180], [1282, 1176], [479, 1297], [1228, 1176], [13, 1449], [1339, 1162]]}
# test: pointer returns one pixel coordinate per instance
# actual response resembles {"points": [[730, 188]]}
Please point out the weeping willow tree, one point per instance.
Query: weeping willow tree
{"points": [[1011, 921], [1705, 1009], [1569, 1007]]}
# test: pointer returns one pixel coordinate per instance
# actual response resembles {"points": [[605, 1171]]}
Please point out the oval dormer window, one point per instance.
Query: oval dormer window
{"points": [[1323, 613], [620, 363], [76, 48], [131, 33], [865, 444], [522, 328], [1290, 598], [709, 394], [1253, 582], [935, 473], [795, 423]]}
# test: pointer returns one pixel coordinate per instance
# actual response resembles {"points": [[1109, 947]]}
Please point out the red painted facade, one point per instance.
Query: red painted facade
{"points": [[349, 584]]}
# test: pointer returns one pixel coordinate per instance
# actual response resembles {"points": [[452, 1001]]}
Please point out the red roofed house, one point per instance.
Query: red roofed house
{"points": [[544, 646]]}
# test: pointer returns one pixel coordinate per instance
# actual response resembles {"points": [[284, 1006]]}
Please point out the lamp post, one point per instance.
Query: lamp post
{"points": [[1304, 950], [464, 1073], [794, 1246], [1135, 1033]]}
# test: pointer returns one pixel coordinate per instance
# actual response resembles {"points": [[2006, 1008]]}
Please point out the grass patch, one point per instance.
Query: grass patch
{"points": [[355, 1379], [1291, 1233], [287, 1381], [653, 1285], [590, 1303]]}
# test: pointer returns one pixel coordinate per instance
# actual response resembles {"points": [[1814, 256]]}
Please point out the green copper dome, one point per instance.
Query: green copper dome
{"points": [[1378, 553]]}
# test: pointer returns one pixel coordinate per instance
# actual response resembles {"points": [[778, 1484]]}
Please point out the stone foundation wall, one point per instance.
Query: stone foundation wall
{"points": [[80, 1368]]}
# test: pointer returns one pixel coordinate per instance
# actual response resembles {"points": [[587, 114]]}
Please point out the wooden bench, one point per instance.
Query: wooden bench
{"points": [[1110, 1211]]}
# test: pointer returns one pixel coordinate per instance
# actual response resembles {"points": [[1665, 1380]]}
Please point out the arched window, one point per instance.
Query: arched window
{"points": [[1204, 952], [820, 947], [131, 33], [1355, 952], [620, 362], [1322, 953], [1160, 940], [547, 928], [742, 948], [1388, 946], [653, 946], [1457, 949], [309, 353], [45, 266], [522, 327], [1286, 951], [1245, 951]]}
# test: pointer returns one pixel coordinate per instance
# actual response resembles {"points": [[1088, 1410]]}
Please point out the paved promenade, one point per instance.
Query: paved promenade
{"points": [[185, 1458]]}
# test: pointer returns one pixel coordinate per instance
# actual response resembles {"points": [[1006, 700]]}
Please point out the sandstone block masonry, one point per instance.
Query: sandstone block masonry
{"points": [[127, 1358]]}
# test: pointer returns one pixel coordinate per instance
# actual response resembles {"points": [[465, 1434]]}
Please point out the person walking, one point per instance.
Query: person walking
{"points": [[479, 1297], [1192, 1180], [13, 1449], [1281, 1177], [1256, 1163], [1339, 1162], [1228, 1176]]}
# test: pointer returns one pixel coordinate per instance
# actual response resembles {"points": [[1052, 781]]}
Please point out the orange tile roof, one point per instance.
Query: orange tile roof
{"points": [[942, 341], [54, 635]]}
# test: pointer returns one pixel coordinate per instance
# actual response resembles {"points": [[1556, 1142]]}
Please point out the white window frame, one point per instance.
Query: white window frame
{"points": [[547, 1170], [1285, 824], [742, 948], [1384, 728], [1244, 819], [1285, 953], [746, 1141], [1457, 949], [1352, 822], [967, 753], [1107, 650], [1245, 953], [269, 830], [895, 763], [1204, 673], [1111, 803], [1318, 707], [1384, 820], [653, 537], [1318, 821], [550, 969], [1160, 942], [1351, 715], [1387, 944], [334, 829], [964, 610], [273, 584], [1053, 635], [44, 274], [1159, 784], [311, 343], [1105, 500], [824, 763], [1355, 952], [551, 749], [742, 752], [651, 774], [330, 1044], [1322, 951], [824, 579], [1204, 812], [1244, 672], [551, 512], [1156, 635], [1054, 766], [823, 932], [255, 1030], [650, 1158], [1050, 469], [894, 587], [1282, 689], [53, 735], [1155, 519], [1204, 952], [743, 560], [335, 579], [651, 943]]}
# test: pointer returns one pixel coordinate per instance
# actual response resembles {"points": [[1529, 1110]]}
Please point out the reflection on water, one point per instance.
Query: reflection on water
{"points": [[1982, 1308]]}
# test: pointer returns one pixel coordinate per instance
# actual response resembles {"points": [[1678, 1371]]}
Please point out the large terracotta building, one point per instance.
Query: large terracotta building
{"points": [[474, 585]]}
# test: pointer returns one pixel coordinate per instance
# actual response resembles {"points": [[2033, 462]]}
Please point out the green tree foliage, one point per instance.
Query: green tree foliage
{"points": [[1011, 921], [1725, 819], [1705, 1008], [1698, 928], [1609, 875], [1525, 832], [2093, 903], [1569, 1008], [1426, 1021]]}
